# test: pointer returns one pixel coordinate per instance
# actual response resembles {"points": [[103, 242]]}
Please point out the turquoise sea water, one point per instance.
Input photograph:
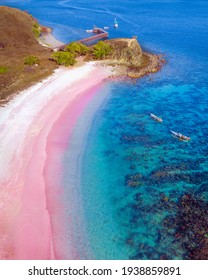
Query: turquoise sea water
{"points": [[144, 193]]}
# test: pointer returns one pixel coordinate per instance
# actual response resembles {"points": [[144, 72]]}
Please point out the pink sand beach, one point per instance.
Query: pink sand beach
{"points": [[34, 137]]}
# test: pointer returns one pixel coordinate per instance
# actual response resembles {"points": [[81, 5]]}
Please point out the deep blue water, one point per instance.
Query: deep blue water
{"points": [[135, 174]]}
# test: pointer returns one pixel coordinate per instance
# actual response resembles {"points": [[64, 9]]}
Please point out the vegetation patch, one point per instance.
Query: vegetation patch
{"points": [[64, 58], [68, 56], [31, 60], [101, 50], [36, 30], [77, 49], [3, 69]]}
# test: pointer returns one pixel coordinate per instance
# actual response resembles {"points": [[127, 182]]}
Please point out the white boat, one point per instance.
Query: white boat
{"points": [[156, 118], [89, 31], [106, 28], [180, 136], [115, 23]]}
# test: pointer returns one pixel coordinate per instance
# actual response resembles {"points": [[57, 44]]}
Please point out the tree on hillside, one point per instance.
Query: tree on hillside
{"points": [[77, 48], [101, 50], [63, 58]]}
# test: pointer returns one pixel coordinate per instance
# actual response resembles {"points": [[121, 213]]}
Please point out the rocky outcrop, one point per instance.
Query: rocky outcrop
{"points": [[125, 52], [129, 60]]}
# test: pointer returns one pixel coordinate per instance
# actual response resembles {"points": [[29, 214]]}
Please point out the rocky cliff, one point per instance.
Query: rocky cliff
{"points": [[125, 52]]}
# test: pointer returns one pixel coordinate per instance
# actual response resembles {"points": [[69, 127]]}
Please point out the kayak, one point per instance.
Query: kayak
{"points": [[180, 136], [156, 118]]}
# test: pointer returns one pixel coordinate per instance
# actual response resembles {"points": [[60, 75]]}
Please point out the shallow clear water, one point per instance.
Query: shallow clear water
{"points": [[144, 169], [134, 172]]}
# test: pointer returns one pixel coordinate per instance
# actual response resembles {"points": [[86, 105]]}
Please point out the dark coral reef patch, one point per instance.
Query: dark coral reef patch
{"points": [[192, 227]]}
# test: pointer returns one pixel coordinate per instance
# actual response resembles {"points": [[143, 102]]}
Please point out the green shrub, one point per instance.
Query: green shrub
{"points": [[101, 50], [31, 60], [36, 25], [64, 58], [36, 30], [3, 69], [77, 48]]}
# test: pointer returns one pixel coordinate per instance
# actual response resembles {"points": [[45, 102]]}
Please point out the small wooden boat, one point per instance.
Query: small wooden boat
{"points": [[180, 136], [156, 118]]}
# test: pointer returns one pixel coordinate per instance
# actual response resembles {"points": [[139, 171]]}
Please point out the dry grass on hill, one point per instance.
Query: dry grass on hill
{"points": [[16, 42]]}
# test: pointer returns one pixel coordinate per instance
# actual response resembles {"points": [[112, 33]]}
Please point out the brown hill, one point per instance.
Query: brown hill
{"points": [[17, 41]]}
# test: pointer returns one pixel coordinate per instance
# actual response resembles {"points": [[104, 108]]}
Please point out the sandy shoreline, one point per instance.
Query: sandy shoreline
{"points": [[48, 40], [35, 137]]}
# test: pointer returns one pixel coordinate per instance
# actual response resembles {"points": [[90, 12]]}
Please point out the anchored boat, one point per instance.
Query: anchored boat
{"points": [[180, 136], [156, 118], [115, 23]]}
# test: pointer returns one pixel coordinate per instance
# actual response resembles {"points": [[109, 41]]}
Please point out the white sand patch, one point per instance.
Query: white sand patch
{"points": [[14, 120]]}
